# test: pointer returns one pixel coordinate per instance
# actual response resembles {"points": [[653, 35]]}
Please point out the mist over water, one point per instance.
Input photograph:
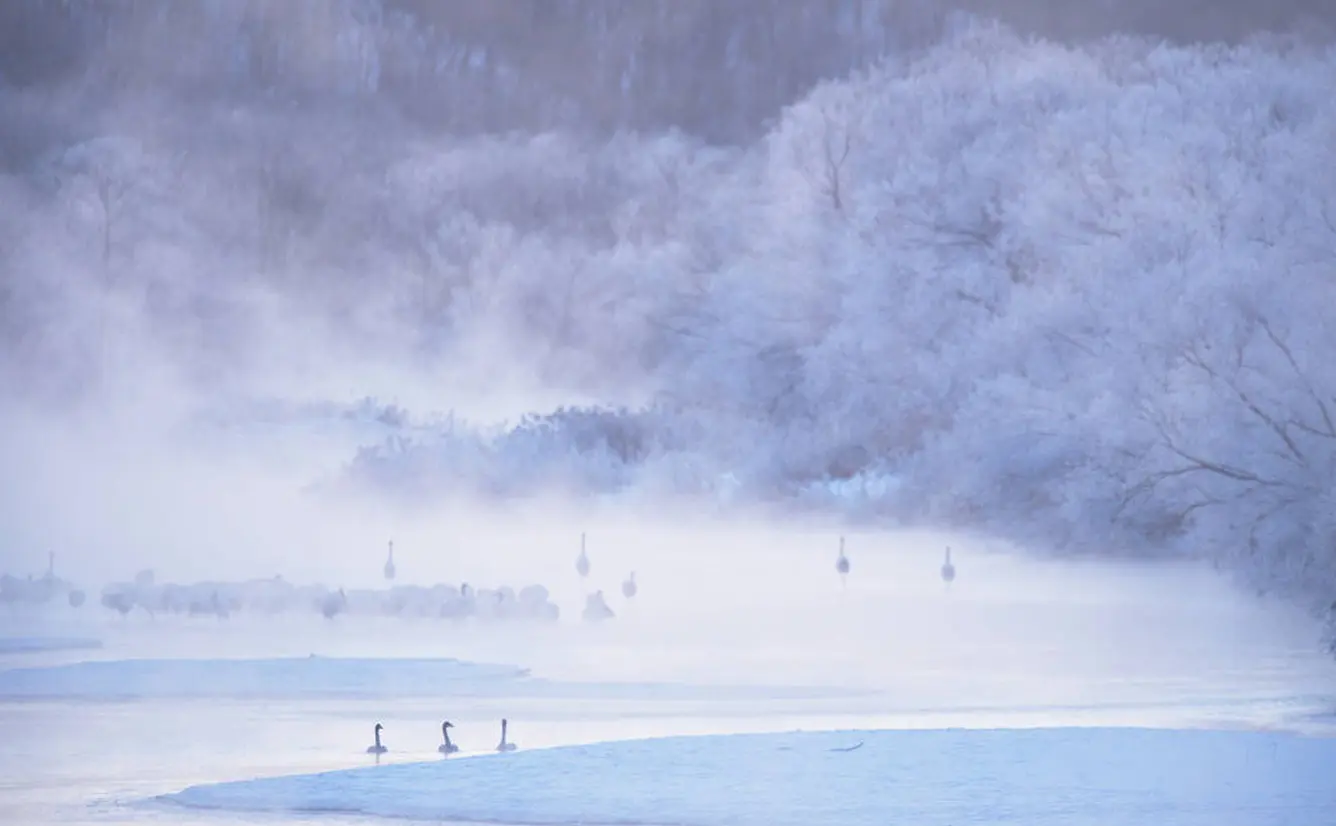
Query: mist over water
{"points": [[838, 278], [713, 285], [1013, 639], [725, 600]]}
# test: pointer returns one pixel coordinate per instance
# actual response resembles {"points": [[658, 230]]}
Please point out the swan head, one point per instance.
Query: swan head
{"points": [[378, 728]]}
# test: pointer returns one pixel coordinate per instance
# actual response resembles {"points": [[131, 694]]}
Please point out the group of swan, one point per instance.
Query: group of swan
{"points": [[278, 596], [213, 599], [39, 590], [531, 603], [948, 570], [273, 596], [596, 605], [446, 747]]}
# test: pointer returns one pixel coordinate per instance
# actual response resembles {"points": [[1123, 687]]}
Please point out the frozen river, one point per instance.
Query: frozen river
{"points": [[93, 763], [1014, 643]]}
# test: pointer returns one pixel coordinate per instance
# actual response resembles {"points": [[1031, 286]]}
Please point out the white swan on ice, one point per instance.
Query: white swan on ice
{"points": [[504, 745], [447, 747], [377, 748]]}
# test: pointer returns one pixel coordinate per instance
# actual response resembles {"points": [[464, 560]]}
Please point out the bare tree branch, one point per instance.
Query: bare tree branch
{"points": [[1192, 357], [1330, 427]]}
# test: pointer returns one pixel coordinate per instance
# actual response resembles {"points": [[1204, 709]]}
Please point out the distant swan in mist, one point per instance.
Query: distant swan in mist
{"points": [[119, 600], [377, 748], [389, 563], [629, 586], [582, 562], [503, 745], [447, 747], [842, 564], [75, 597], [213, 605], [948, 570], [596, 608], [334, 604]]}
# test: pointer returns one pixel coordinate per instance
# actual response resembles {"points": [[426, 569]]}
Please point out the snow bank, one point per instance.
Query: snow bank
{"points": [[306, 676], [29, 645], [1034, 777]]}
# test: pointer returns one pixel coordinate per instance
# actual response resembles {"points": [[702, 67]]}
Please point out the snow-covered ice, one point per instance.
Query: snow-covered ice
{"points": [[1073, 776], [307, 676], [316, 677], [31, 645]]}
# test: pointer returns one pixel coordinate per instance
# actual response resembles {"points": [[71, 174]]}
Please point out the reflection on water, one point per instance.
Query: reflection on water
{"points": [[1012, 642]]}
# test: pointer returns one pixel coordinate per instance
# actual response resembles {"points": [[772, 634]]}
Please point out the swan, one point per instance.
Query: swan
{"points": [[596, 608], [389, 563], [842, 564], [377, 748], [582, 562], [503, 745], [447, 747], [629, 586], [533, 595], [948, 570], [334, 604], [213, 605], [119, 599]]}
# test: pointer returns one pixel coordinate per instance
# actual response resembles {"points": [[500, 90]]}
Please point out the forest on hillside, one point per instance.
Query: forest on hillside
{"points": [[1062, 278]]}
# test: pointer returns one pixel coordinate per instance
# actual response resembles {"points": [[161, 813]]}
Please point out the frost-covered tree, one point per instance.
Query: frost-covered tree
{"points": [[1071, 293]]}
